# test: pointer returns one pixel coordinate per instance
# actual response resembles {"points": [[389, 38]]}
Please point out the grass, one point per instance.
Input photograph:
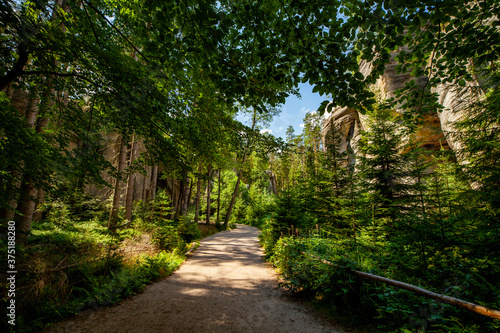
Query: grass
{"points": [[70, 266]]}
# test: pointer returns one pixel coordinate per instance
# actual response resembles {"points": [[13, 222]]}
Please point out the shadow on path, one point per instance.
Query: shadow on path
{"points": [[224, 286]]}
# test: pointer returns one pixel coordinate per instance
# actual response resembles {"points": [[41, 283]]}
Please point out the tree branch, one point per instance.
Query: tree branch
{"points": [[17, 69], [116, 29], [80, 76]]}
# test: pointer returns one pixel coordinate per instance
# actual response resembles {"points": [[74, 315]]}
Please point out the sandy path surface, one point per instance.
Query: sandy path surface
{"points": [[225, 286]]}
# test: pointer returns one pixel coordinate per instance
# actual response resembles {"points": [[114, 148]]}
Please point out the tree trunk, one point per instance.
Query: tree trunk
{"points": [[272, 182], [26, 208], [236, 188], [218, 197], [231, 204], [208, 193], [113, 216], [129, 199], [37, 215], [32, 111], [9, 91], [186, 195], [198, 190], [171, 215], [10, 211], [146, 184], [154, 181], [178, 203]]}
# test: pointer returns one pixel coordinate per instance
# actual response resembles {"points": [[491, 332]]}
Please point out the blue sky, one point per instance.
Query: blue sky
{"points": [[294, 111]]}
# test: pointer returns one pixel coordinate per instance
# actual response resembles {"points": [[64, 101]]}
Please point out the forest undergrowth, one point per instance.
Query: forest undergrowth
{"points": [[370, 305], [74, 262], [402, 213]]}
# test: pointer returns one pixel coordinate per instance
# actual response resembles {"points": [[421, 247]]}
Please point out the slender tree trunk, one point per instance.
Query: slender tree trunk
{"points": [[129, 199], [191, 182], [235, 194], [26, 208], [236, 188], [146, 184], [231, 204], [32, 111], [186, 195], [37, 215], [154, 182], [218, 198], [208, 193], [9, 91], [272, 180], [113, 216], [171, 215], [178, 203], [198, 190], [10, 211]]}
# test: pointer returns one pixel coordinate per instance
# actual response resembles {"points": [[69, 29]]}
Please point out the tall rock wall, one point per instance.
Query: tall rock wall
{"points": [[144, 182], [436, 130]]}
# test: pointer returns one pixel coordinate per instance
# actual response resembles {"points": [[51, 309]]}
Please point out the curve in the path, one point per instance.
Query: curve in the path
{"points": [[224, 286]]}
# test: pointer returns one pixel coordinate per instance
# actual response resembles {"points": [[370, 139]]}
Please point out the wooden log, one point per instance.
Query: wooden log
{"points": [[479, 309]]}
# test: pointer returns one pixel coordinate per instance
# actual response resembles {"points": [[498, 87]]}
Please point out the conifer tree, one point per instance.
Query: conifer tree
{"points": [[381, 164], [332, 182]]}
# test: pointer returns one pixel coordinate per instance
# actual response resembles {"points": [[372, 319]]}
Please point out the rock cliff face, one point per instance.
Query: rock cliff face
{"points": [[434, 134], [346, 122], [143, 184]]}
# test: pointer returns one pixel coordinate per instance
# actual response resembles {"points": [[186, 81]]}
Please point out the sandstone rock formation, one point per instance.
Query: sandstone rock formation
{"points": [[434, 134], [347, 124]]}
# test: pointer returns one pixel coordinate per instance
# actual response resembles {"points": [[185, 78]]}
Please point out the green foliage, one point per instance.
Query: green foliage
{"points": [[97, 291], [393, 212], [332, 284], [167, 238], [188, 230], [400, 212], [65, 202], [21, 151], [346, 295], [76, 264], [381, 163], [289, 214], [259, 202]]}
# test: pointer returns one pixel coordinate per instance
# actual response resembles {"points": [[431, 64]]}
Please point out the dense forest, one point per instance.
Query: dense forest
{"points": [[119, 137]]}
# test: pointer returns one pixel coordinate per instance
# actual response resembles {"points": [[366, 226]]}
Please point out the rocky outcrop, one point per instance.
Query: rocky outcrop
{"points": [[452, 98], [433, 134], [391, 81], [345, 123], [143, 181]]}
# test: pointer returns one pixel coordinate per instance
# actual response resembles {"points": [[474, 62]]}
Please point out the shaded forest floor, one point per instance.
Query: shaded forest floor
{"points": [[225, 286], [73, 265]]}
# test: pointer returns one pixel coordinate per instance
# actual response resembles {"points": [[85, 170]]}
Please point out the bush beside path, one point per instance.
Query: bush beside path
{"points": [[224, 286]]}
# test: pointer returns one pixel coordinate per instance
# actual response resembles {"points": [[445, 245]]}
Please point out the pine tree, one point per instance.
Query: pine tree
{"points": [[381, 163], [479, 134], [332, 182]]}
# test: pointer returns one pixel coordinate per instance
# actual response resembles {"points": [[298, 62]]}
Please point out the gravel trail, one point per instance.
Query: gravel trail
{"points": [[224, 286]]}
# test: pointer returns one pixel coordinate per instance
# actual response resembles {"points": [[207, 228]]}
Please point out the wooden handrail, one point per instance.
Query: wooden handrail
{"points": [[417, 290]]}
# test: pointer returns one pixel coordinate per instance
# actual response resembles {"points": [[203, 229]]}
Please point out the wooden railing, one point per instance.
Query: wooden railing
{"points": [[417, 290]]}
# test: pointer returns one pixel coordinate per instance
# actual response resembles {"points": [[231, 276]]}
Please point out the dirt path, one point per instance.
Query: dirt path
{"points": [[225, 286]]}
